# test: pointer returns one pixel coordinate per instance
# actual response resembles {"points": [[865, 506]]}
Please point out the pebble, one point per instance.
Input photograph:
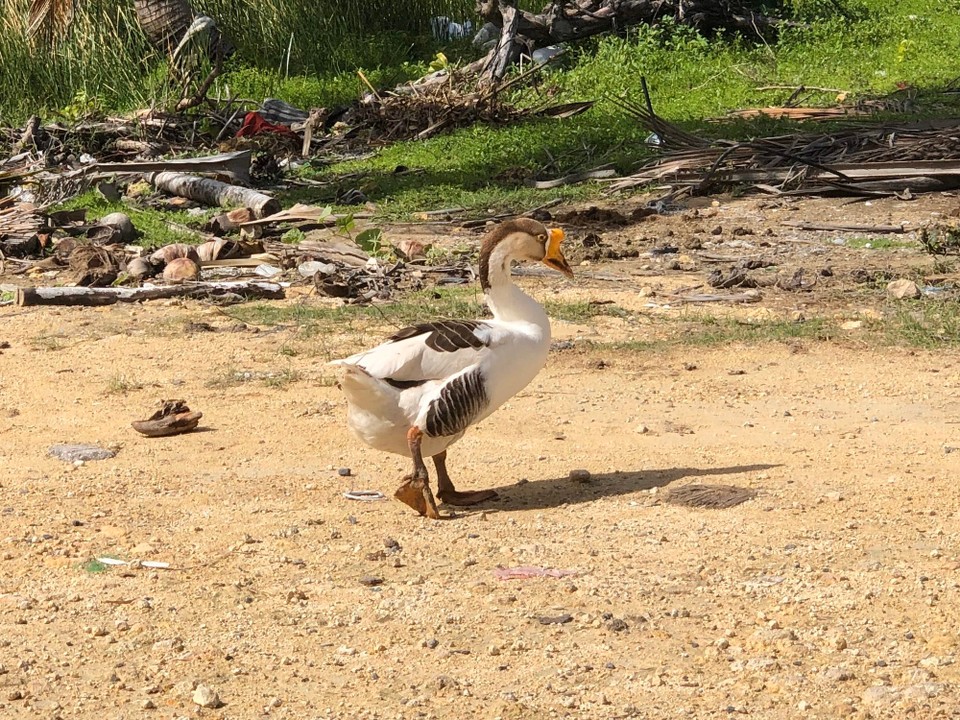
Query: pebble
{"points": [[148, 704], [344, 472], [431, 643], [580, 475], [641, 429], [556, 619], [837, 674], [880, 695], [371, 580], [617, 625]]}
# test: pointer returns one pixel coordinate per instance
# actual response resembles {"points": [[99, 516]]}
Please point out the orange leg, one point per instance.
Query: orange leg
{"points": [[415, 490], [448, 493]]}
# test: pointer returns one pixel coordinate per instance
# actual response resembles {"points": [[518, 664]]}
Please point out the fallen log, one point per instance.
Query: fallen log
{"points": [[562, 22], [214, 192], [30, 296]]}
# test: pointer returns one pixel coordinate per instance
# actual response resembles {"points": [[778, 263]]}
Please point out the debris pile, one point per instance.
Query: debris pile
{"points": [[858, 160]]}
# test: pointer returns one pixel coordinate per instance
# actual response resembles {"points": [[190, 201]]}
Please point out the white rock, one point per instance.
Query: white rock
{"points": [[903, 289], [880, 695], [205, 697]]}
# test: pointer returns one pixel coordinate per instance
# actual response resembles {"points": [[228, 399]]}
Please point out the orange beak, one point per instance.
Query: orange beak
{"points": [[554, 257]]}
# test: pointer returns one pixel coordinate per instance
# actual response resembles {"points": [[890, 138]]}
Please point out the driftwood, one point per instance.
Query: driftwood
{"points": [[108, 296], [214, 192], [842, 227], [235, 165]]}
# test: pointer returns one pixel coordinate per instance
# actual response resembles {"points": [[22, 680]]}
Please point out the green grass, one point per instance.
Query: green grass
{"points": [[878, 243], [453, 303], [925, 323], [157, 227]]}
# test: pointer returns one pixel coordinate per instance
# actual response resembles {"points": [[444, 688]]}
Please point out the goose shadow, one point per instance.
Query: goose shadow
{"points": [[554, 492]]}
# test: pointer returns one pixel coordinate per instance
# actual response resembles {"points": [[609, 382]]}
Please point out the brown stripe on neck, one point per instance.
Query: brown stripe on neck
{"points": [[495, 236]]}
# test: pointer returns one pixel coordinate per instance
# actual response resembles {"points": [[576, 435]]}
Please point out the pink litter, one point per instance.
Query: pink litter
{"points": [[530, 571]]}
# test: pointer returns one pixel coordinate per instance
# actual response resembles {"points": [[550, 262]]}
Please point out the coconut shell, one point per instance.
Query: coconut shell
{"points": [[168, 253], [181, 270], [140, 268], [123, 223]]}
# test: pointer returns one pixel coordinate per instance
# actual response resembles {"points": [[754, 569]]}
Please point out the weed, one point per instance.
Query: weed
{"points": [[293, 236], [46, 343], [230, 377], [281, 379], [877, 243], [928, 324], [94, 566], [120, 384]]}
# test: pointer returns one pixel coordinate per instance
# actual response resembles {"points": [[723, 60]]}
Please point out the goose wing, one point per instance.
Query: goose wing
{"points": [[429, 351]]}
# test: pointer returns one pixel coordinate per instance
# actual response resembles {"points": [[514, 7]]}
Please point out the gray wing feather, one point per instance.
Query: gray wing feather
{"points": [[460, 401]]}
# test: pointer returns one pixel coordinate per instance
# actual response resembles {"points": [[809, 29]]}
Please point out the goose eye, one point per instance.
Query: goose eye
{"points": [[542, 238]]}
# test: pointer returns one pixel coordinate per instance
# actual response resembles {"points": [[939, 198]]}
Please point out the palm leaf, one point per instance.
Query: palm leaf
{"points": [[50, 18]]}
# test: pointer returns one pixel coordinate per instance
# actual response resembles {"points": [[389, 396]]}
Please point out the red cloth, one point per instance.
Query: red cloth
{"points": [[254, 124]]}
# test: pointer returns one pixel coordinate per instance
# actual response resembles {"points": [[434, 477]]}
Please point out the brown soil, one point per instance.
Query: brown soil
{"points": [[832, 593]]}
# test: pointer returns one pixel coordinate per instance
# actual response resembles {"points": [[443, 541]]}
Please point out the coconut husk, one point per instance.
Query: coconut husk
{"points": [[92, 266]]}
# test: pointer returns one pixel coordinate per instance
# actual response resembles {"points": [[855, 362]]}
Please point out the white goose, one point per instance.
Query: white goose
{"points": [[417, 393]]}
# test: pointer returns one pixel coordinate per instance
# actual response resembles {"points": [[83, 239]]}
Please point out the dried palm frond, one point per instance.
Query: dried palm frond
{"points": [[50, 18], [709, 496]]}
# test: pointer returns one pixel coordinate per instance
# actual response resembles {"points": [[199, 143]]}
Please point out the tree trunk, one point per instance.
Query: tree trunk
{"points": [[164, 21]]}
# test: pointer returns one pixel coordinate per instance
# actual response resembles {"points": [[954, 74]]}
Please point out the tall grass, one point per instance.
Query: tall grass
{"points": [[103, 60], [106, 56]]}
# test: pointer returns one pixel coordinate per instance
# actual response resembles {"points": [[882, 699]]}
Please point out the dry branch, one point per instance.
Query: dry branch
{"points": [[214, 192]]}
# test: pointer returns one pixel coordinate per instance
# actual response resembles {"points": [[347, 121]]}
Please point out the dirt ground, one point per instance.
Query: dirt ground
{"points": [[835, 592]]}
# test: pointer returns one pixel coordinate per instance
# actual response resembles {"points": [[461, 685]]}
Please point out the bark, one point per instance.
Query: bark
{"points": [[214, 192]]}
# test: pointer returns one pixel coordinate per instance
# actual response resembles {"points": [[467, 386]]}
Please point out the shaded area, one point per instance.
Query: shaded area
{"points": [[554, 492]]}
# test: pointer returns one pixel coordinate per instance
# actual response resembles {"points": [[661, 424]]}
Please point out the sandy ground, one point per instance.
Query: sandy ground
{"points": [[832, 593]]}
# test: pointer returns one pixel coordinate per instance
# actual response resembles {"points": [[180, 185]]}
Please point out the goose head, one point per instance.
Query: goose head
{"points": [[520, 239]]}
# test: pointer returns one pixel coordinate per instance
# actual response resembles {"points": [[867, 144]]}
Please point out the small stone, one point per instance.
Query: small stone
{"points": [[148, 704], [371, 580], [617, 625], [205, 697], [880, 695], [803, 706], [493, 650], [837, 674], [641, 429], [554, 619], [903, 289], [344, 472], [431, 643], [580, 475]]}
